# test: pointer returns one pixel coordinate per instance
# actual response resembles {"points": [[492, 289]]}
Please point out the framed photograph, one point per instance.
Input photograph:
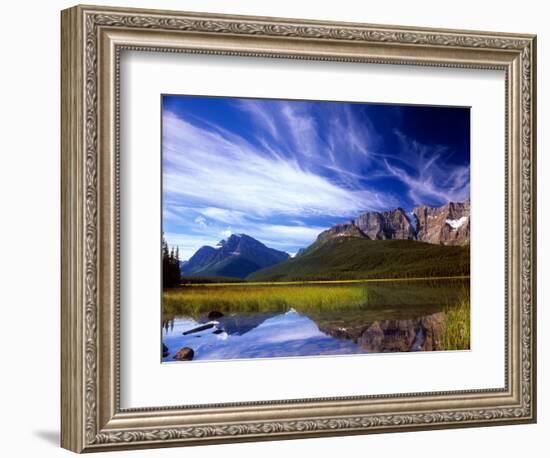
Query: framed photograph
{"points": [[277, 228]]}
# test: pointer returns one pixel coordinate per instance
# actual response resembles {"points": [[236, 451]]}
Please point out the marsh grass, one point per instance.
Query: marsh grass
{"points": [[456, 327], [197, 301]]}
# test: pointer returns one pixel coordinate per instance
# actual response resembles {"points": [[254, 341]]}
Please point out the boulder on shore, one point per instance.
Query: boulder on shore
{"points": [[184, 354]]}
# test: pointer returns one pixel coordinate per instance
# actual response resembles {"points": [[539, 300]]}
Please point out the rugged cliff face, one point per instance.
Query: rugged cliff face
{"points": [[446, 225], [389, 225]]}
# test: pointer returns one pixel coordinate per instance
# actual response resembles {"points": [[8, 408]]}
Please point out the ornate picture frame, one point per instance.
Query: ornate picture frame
{"points": [[92, 41]]}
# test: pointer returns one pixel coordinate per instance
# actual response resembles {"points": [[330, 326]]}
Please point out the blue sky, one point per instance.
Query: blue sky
{"points": [[282, 171]]}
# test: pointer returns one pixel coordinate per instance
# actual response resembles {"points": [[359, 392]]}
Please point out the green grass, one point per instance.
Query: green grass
{"points": [[456, 327], [354, 258], [197, 300], [377, 297]]}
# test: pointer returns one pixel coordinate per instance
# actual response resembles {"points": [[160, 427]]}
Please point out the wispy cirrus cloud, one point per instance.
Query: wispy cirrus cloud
{"points": [[264, 118], [430, 176], [207, 168], [224, 215], [201, 221], [296, 130]]}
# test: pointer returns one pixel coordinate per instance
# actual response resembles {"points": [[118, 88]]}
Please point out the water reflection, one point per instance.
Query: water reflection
{"points": [[295, 334], [419, 334]]}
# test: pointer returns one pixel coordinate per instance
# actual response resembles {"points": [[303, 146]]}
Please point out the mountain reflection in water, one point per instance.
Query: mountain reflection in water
{"points": [[262, 335]]}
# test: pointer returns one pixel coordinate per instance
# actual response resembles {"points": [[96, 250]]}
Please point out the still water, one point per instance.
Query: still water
{"points": [[409, 321], [254, 336]]}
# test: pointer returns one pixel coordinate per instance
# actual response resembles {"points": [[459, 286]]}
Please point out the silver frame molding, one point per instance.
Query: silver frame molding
{"points": [[92, 40]]}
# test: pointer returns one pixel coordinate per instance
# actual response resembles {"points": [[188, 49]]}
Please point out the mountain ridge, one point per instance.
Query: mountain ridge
{"points": [[448, 224], [237, 256], [354, 258], [241, 256]]}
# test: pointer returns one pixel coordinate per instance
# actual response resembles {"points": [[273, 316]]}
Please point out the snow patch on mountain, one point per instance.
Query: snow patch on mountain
{"points": [[456, 223]]}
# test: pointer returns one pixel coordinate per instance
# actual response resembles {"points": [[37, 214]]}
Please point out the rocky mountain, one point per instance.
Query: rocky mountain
{"points": [[237, 256], [384, 245], [340, 230], [445, 225], [390, 225]]}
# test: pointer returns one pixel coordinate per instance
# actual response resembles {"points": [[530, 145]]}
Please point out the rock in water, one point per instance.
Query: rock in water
{"points": [[184, 354], [165, 351], [214, 315]]}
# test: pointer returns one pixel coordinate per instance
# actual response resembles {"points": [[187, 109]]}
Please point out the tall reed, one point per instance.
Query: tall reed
{"points": [[456, 327]]}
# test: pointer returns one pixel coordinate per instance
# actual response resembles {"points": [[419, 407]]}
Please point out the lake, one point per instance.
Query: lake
{"points": [[220, 322]]}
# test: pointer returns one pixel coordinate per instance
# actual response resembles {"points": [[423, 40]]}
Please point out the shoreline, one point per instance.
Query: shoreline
{"points": [[320, 282]]}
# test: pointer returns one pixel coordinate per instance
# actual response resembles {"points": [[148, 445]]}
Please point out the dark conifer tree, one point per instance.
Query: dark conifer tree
{"points": [[170, 266]]}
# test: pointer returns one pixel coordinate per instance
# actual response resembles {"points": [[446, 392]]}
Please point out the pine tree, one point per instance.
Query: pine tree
{"points": [[177, 273], [170, 265]]}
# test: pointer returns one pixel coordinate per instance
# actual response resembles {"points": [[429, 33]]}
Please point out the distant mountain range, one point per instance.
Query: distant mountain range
{"points": [[361, 248], [238, 256]]}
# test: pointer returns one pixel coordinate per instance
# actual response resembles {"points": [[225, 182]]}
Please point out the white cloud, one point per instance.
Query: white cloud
{"points": [[431, 177], [302, 128], [201, 221], [226, 233], [188, 244], [168, 214], [262, 117], [223, 214], [211, 170], [292, 235]]}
